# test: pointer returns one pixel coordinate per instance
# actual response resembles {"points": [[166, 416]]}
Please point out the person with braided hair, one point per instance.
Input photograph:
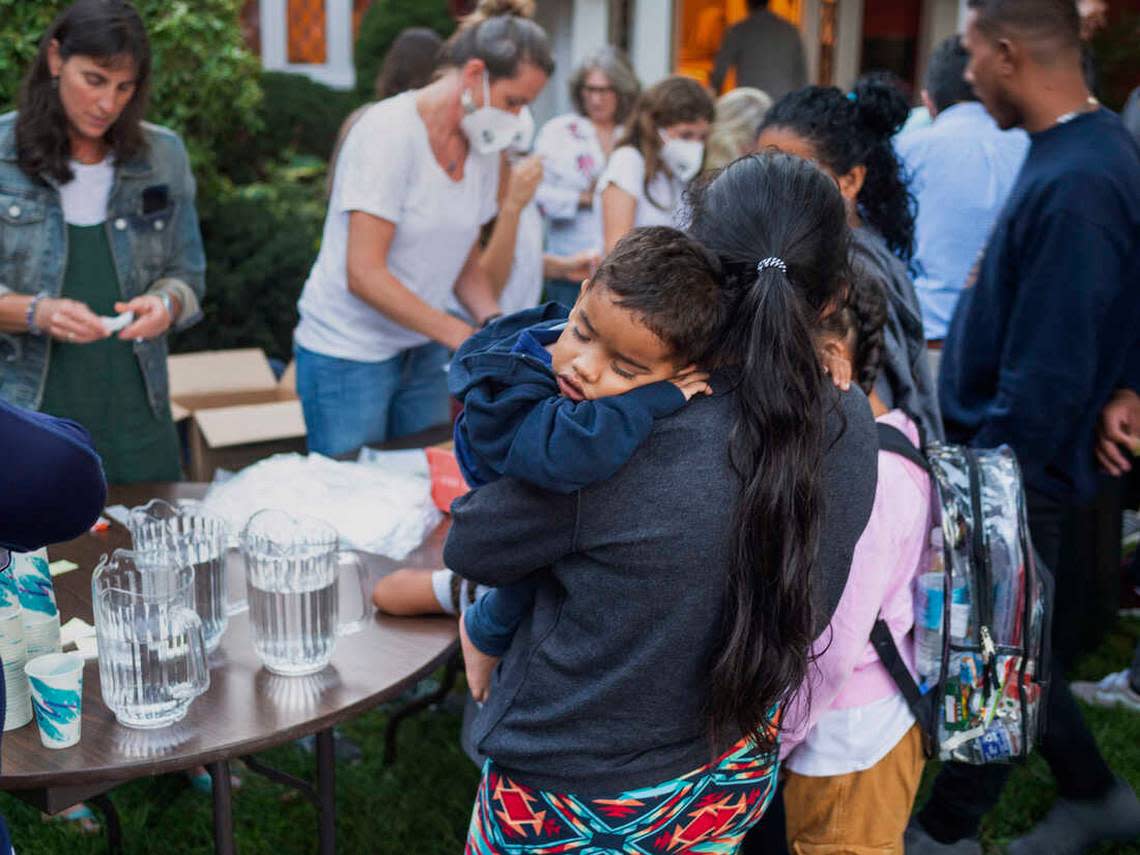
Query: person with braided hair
{"points": [[849, 136], [851, 747]]}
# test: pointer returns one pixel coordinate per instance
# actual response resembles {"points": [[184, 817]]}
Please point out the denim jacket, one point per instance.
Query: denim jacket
{"points": [[155, 252]]}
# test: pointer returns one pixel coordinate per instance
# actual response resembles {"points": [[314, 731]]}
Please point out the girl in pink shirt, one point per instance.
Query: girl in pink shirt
{"points": [[851, 746]]}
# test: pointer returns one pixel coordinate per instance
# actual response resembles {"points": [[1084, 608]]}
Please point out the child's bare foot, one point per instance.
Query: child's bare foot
{"points": [[477, 664]]}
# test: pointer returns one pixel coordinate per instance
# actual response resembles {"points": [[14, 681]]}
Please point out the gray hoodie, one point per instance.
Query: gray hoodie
{"points": [[905, 380], [603, 687]]}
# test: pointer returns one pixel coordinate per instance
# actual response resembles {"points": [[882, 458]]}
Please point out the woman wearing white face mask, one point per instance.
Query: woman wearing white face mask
{"points": [[415, 181], [661, 152]]}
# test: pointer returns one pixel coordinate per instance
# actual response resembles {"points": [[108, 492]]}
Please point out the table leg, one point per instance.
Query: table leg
{"points": [[326, 792], [223, 808], [111, 818], [414, 707]]}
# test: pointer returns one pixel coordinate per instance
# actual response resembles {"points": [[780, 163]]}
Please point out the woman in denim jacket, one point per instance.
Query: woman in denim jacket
{"points": [[97, 220]]}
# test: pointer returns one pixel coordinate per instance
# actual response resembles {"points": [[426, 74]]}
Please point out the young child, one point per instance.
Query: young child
{"points": [[851, 746], [562, 402]]}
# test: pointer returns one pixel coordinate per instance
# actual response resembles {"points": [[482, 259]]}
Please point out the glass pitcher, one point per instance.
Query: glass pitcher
{"points": [[152, 650], [200, 540], [292, 569]]}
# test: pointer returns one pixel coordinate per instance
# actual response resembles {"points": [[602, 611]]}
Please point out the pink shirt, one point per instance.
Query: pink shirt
{"points": [[888, 557]]}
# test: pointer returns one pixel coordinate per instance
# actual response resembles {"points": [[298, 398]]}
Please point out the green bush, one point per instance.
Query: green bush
{"points": [[261, 240], [297, 117], [205, 80], [386, 19]]}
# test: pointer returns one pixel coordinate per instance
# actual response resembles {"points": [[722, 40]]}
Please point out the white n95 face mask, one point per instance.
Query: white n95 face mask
{"points": [[683, 157], [488, 128], [524, 135]]}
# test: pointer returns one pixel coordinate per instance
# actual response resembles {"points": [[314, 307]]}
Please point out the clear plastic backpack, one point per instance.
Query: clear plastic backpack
{"points": [[982, 610]]}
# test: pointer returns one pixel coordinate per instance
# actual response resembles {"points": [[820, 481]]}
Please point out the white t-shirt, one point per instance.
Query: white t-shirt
{"points": [[852, 739], [84, 198], [386, 168], [572, 162], [524, 287], [626, 170]]}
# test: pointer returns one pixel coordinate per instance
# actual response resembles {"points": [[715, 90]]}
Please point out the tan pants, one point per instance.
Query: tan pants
{"points": [[858, 813]]}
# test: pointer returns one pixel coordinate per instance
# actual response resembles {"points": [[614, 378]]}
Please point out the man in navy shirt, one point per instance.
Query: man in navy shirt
{"points": [[1037, 346]]}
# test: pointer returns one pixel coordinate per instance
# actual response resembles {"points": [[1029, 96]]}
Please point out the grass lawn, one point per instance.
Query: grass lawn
{"points": [[422, 803]]}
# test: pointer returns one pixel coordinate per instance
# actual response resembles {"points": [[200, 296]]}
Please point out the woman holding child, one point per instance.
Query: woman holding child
{"points": [[676, 593]]}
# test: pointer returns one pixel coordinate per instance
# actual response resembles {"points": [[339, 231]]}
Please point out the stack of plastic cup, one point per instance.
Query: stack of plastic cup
{"points": [[18, 709], [37, 599], [9, 596]]}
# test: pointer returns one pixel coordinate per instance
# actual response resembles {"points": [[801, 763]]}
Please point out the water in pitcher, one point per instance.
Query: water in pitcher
{"points": [[210, 597], [293, 616], [139, 671]]}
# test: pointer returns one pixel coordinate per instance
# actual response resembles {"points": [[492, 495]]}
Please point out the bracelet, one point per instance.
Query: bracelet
{"points": [[490, 319], [30, 315], [168, 304]]}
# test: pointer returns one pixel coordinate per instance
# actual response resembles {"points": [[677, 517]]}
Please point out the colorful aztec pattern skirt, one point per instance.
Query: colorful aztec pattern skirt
{"points": [[708, 810]]}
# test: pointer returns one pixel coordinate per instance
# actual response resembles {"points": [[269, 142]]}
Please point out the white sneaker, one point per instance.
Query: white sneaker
{"points": [[1113, 691]]}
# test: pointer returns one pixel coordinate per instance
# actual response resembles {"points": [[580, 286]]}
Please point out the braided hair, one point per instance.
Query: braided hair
{"points": [[846, 131], [861, 318]]}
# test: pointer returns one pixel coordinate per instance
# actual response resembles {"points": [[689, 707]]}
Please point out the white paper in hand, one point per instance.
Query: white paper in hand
{"points": [[119, 322]]}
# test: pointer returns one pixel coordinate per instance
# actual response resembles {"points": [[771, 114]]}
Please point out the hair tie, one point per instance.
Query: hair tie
{"points": [[771, 261]]}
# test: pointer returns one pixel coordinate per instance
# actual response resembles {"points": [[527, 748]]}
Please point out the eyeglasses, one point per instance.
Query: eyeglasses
{"points": [[598, 90]]}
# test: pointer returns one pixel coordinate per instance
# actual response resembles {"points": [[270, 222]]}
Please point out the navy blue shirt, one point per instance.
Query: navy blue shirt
{"points": [[516, 423], [51, 480], [1049, 329]]}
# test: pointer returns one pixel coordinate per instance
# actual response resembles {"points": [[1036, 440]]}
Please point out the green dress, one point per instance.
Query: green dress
{"points": [[101, 385]]}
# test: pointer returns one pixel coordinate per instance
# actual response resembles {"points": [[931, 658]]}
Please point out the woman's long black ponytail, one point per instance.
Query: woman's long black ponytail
{"points": [[779, 227]]}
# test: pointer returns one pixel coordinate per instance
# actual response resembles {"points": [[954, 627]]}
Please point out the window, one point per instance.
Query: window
{"points": [[308, 36]]}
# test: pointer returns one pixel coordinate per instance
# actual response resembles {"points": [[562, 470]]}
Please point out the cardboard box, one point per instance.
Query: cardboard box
{"points": [[239, 412]]}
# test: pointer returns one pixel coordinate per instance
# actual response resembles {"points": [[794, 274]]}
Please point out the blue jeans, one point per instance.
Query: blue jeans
{"points": [[564, 291], [349, 404]]}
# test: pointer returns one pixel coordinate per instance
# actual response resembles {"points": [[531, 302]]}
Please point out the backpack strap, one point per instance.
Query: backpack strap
{"points": [[895, 441], [922, 708]]}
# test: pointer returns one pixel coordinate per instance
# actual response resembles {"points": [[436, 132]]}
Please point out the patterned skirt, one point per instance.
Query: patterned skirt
{"points": [[708, 810]]}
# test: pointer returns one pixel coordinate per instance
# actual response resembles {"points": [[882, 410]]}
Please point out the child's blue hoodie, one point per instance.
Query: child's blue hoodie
{"points": [[516, 423]]}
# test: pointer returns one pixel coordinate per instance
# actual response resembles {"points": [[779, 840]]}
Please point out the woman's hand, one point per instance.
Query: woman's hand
{"points": [[576, 267], [69, 320], [151, 317], [525, 178]]}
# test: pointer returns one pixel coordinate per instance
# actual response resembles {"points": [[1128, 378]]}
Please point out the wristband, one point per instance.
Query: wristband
{"points": [[30, 316]]}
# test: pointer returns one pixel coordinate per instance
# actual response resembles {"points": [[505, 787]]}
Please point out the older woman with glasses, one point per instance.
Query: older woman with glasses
{"points": [[575, 148]]}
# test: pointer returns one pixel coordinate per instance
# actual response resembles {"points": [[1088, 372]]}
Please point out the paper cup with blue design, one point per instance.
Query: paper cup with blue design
{"points": [[56, 681], [33, 582]]}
